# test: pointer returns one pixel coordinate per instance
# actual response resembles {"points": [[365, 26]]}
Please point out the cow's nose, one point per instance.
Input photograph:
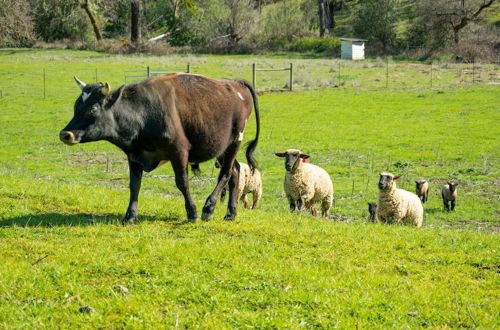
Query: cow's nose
{"points": [[67, 136]]}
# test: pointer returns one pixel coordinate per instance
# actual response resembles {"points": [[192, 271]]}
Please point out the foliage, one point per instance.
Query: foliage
{"points": [[59, 19], [376, 20], [313, 44], [17, 24]]}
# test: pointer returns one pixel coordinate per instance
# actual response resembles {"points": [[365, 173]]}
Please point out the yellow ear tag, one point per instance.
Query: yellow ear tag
{"points": [[106, 89]]}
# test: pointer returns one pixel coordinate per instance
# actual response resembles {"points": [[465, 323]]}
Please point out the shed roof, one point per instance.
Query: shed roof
{"points": [[353, 39]]}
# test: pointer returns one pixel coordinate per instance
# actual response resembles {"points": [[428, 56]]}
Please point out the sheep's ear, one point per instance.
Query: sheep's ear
{"points": [[280, 154], [416, 182], [304, 156], [397, 177]]}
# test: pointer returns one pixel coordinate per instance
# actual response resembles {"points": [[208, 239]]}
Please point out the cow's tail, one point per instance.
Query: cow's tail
{"points": [[253, 144]]}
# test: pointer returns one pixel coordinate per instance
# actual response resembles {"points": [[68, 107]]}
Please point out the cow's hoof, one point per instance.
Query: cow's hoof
{"points": [[126, 221], [229, 217], [206, 216]]}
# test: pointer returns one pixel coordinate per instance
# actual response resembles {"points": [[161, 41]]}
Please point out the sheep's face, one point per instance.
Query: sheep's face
{"points": [[453, 186], [293, 157], [387, 181], [419, 184]]}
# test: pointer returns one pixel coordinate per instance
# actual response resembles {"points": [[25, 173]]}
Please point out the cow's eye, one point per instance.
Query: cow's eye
{"points": [[94, 109]]}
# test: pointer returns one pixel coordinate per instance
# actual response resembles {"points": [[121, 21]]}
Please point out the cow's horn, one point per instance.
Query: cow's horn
{"points": [[80, 83], [106, 89]]}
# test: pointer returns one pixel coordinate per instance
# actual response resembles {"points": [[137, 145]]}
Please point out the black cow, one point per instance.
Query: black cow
{"points": [[180, 118]]}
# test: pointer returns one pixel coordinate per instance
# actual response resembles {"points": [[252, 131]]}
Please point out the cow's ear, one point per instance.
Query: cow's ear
{"points": [[106, 89], [280, 154], [80, 83], [304, 156], [397, 177], [112, 97]]}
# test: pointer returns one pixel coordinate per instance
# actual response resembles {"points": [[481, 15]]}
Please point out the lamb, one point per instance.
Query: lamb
{"points": [[449, 194], [249, 183], [306, 183], [397, 205], [372, 209], [422, 189]]}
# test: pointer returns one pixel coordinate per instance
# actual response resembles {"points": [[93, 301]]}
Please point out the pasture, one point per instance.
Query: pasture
{"points": [[62, 245]]}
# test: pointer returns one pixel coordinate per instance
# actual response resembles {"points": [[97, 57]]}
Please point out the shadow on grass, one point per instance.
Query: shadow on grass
{"points": [[81, 219]]}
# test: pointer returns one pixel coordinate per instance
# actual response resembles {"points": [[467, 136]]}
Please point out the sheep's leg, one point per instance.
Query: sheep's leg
{"points": [[245, 201], [453, 205], [325, 208], [299, 203], [445, 202], [256, 197], [292, 205], [314, 210]]}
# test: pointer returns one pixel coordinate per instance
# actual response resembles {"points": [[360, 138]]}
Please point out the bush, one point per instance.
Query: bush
{"points": [[314, 44]]}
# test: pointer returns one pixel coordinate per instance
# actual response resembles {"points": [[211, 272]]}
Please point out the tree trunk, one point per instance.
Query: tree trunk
{"points": [[135, 18], [93, 21], [321, 20]]}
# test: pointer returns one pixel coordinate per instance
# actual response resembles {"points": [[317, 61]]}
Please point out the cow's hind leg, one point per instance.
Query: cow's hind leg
{"points": [[180, 166], [224, 176], [234, 180]]}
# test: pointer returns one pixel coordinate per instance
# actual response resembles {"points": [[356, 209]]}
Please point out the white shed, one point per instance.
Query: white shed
{"points": [[352, 48]]}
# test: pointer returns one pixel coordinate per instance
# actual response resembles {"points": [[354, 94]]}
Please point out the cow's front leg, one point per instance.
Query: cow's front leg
{"points": [[180, 167], [135, 186]]}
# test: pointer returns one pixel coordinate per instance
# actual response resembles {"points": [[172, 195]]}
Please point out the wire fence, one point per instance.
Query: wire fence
{"points": [[266, 75]]}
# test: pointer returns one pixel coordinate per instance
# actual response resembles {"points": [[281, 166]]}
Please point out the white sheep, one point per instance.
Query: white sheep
{"points": [[306, 183], [449, 194], [422, 189], [249, 183], [397, 205]]}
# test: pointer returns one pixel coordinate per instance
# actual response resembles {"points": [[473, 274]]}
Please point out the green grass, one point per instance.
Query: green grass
{"points": [[62, 245]]}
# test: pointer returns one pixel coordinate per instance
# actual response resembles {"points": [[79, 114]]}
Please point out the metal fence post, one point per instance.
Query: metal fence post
{"points": [[254, 82], [473, 71], [147, 71], [188, 70], [339, 75], [431, 74], [386, 72], [291, 76], [44, 88]]}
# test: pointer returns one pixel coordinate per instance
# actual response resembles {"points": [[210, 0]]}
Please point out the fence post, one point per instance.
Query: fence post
{"points": [[473, 71], [386, 72], [254, 83], [291, 76], [188, 68], [147, 71], [96, 75], [431, 74], [339, 75], [44, 90]]}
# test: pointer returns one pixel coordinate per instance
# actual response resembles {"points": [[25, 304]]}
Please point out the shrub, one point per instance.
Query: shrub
{"points": [[315, 44]]}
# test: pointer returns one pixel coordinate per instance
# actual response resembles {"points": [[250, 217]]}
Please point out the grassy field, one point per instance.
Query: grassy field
{"points": [[62, 246]]}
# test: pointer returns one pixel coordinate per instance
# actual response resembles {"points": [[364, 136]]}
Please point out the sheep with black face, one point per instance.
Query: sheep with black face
{"points": [[306, 183], [449, 194], [422, 189]]}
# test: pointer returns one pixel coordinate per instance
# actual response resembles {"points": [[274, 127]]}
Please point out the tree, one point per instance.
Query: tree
{"points": [[326, 14], [85, 6], [444, 16], [135, 19], [375, 20], [17, 24]]}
